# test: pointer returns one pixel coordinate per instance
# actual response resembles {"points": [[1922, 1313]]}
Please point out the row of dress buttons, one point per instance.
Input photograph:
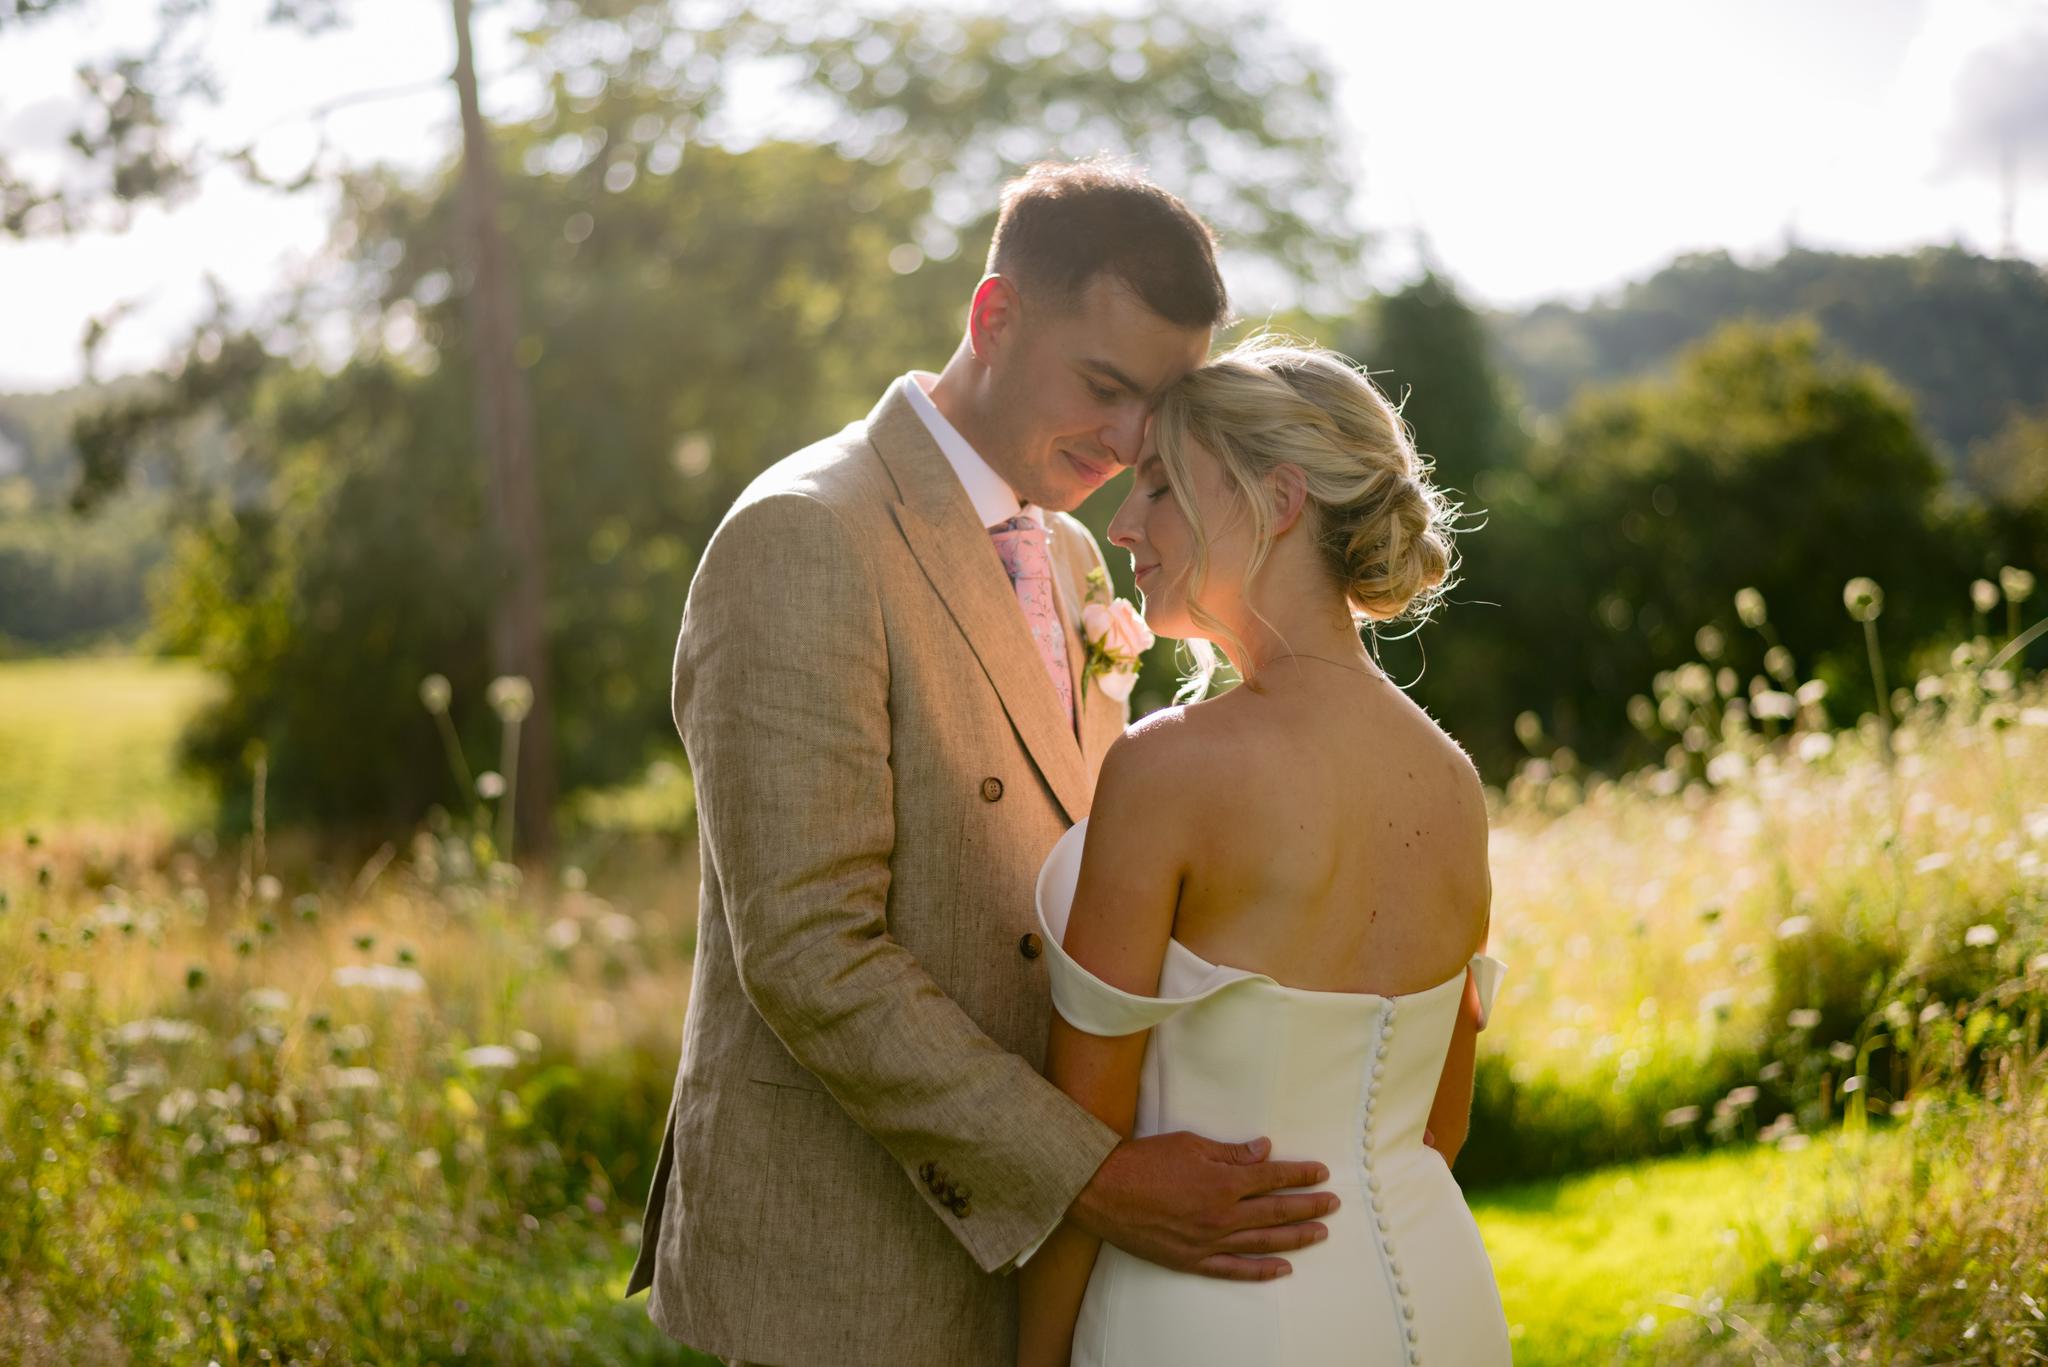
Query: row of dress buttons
{"points": [[1372, 1185]]}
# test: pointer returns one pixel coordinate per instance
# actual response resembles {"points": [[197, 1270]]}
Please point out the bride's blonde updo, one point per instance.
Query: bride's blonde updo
{"points": [[1383, 528]]}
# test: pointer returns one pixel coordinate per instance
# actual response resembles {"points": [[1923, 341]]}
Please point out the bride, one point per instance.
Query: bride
{"points": [[1273, 923]]}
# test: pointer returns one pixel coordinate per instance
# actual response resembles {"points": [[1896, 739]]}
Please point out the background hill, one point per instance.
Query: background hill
{"points": [[1965, 336]]}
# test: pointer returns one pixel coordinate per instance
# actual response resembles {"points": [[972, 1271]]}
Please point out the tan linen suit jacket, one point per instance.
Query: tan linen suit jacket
{"points": [[860, 1136]]}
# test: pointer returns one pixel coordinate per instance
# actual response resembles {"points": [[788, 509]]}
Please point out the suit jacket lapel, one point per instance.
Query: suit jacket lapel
{"points": [[956, 555]]}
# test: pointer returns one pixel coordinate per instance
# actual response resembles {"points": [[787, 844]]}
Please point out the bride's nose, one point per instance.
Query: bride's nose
{"points": [[1123, 532]]}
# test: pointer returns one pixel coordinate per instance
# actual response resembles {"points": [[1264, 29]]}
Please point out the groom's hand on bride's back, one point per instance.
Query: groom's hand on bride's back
{"points": [[1194, 1205]]}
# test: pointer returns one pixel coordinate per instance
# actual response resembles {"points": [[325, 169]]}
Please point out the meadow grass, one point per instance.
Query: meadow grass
{"points": [[400, 1106], [93, 740]]}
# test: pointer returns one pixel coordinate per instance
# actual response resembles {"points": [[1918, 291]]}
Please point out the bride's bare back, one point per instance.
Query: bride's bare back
{"points": [[1345, 850]]}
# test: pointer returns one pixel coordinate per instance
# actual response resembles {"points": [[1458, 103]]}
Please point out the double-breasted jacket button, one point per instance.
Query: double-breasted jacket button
{"points": [[960, 1207], [991, 789], [926, 1171], [1031, 946]]}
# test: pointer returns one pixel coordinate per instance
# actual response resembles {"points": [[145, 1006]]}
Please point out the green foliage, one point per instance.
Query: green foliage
{"points": [[67, 583], [694, 313], [1430, 352], [1961, 333], [321, 638], [1763, 463]]}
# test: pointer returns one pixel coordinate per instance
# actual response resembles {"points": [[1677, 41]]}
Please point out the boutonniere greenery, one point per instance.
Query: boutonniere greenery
{"points": [[1115, 635]]}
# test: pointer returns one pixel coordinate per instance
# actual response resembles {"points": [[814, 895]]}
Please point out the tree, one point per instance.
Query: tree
{"points": [[690, 311], [1965, 336], [135, 142], [1766, 462], [1430, 352]]}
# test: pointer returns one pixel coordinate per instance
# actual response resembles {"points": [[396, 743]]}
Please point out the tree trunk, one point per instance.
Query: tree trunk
{"points": [[511, 481]]}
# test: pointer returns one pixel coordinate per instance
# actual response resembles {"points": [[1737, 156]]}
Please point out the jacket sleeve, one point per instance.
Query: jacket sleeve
{"points": [[782, 697]]}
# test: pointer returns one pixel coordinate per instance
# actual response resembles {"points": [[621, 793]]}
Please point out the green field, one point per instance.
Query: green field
{"points": [[1590, 1267], [92, 742]]}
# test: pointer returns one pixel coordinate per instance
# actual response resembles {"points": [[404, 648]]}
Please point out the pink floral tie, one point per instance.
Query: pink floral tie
{"points": [[1022, 545]]}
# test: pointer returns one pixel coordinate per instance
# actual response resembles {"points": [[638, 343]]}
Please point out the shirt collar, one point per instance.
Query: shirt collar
{"points": [[994, 501]]}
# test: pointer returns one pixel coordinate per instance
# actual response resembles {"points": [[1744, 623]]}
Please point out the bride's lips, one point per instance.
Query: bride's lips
{"points": [[1138, 574]]}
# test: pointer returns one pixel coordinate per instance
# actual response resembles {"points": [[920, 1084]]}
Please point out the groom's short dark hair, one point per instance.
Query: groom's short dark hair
{"points": [[1064, 223]]}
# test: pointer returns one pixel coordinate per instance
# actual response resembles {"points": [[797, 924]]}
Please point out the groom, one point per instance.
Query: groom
{"points": [[881, 690]]}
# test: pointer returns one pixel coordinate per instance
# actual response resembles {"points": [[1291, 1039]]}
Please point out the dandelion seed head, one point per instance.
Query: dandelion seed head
{"points": [[1983, 595], [490, 785], [1863, 598], [1980, 936], [511, 697], [435, 693]]}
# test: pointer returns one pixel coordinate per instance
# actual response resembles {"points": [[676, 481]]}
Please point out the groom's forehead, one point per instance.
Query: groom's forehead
{"points": [[1125, 345]]}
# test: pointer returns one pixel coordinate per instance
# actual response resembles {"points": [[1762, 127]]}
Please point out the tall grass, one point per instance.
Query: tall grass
{"points": [[267, 1104]]}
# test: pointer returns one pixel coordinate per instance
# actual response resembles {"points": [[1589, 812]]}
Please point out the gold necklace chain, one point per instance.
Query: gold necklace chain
{"points": [[1366, 670]]}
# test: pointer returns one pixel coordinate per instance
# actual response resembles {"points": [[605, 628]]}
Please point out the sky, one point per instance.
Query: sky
{"points": [[1531, 152]]}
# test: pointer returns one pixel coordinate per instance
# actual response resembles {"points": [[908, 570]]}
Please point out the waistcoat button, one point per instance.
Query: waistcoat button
{"points": [[1030, 946], [991, 789]]}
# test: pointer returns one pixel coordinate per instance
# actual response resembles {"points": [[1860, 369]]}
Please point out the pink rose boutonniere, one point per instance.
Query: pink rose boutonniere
{"points": [[1116, 635]]}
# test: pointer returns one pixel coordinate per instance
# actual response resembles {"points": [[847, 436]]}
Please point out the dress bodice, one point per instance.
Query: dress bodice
{"points": [[1344, 1078], [1233, 1050]]}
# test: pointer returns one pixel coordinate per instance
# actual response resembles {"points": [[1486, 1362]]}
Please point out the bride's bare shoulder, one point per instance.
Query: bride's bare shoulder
{"points": [[1160, 758]]}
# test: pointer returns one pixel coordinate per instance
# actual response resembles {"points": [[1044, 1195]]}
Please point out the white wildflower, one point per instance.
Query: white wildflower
{"points": [[351, 1079], [1815, 746], [1771, 705], [485, 1057], [379, 977], [158, 1030], [1980, 936]]}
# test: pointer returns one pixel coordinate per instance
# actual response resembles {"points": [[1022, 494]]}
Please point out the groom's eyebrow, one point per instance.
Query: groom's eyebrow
{"points": [[1115, 376]]}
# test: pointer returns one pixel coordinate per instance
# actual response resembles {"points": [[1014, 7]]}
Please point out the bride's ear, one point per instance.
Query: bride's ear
{"points": [[1288, 488]]}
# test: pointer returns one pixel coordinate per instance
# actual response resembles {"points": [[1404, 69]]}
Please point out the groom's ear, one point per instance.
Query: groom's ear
{"points": [[993, 317]]}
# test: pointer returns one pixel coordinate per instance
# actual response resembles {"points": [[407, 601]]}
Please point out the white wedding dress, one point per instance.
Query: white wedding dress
{"points": [[1343, 1078]]}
